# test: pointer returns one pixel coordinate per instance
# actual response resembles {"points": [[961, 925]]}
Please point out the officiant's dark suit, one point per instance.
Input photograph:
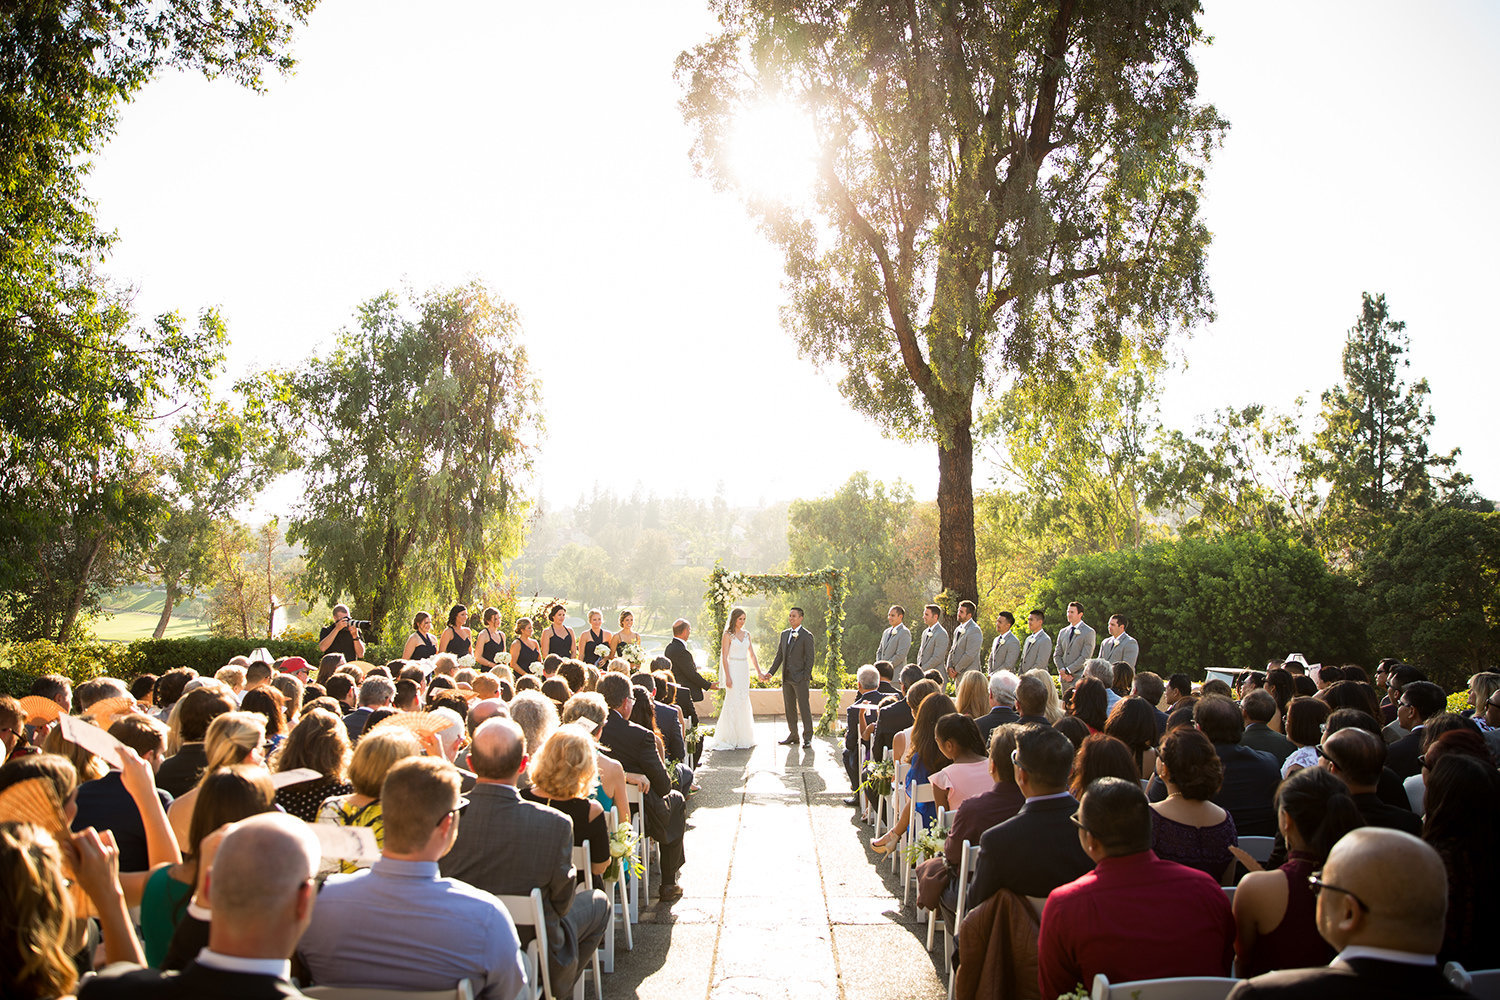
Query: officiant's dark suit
{"points": [[666, 812], [685, 672], [795, 651]]}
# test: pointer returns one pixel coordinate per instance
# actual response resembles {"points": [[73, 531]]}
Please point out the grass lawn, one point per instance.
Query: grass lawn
{"points": [[126, 626]]}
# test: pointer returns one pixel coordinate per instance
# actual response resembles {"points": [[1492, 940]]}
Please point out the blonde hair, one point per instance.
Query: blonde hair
{"points": [[973, 693], [36, 918], [375, 754], [565, 767], [586, 706], [232, 738], [1054, 709], [86, 764], [232, 674]]}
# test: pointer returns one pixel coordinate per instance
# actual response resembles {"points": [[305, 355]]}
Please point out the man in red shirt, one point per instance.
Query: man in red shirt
{"points": [[1134, 916]]}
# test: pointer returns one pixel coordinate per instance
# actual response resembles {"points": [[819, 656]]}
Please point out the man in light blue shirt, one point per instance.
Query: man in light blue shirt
{"points": [[399, 925]]}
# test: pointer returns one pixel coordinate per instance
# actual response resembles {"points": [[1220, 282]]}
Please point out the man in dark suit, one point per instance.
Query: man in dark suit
{"points": [[868, 679], [1357, 758], [1031, 701], [1003, 686], [1150, 686], [684, 670], [182, 770], [1419, 701], [376, 692], [1036, 850], [508, 846], [635, 749], [262, 894], [895, 714], [1250, 776], [795, 652], [1258, 708], [1382, 902]]}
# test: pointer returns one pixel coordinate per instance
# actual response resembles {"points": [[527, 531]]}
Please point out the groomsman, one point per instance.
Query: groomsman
{"points": [[1005, 651], [932, 654], [895, 642], [1121, 646], [1036, 651], [968, 641], [1074, 645]]}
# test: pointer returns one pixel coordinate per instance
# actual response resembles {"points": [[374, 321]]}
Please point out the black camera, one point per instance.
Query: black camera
{"points": [[361, 626]]}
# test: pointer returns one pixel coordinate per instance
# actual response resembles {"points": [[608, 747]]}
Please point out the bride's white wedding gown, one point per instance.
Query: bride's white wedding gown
{"points": [[735, 728]]}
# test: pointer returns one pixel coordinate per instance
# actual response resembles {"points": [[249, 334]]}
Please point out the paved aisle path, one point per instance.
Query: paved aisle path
{"points": [[780, 898]]}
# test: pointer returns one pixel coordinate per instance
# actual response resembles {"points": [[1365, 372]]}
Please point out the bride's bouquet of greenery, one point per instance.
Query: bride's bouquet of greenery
{"points": [[880, 775], [621, 852], [696, 735], [926, 845]]}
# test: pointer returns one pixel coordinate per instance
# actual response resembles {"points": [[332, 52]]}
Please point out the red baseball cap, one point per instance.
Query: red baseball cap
{"points": [[293, 664]]}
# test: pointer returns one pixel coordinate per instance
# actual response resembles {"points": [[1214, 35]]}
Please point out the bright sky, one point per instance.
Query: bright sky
{"points": [[539, 147]]}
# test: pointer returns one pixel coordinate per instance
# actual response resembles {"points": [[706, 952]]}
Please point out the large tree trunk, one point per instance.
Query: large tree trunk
{"points": [[957, 567], [80, 589], [166, 610]]}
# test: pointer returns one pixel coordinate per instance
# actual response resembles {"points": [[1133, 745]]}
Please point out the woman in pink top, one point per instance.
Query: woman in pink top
{"points": [[969, 774]]}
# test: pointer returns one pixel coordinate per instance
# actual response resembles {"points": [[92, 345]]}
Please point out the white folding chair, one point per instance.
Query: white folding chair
{"points": [[859, 773], [583, 867], [619, 902], [1484, 984], [920, 795], [961, 908], [1183, 988], [463, 991], [526, 911], [1258, 848], [640, 886]]}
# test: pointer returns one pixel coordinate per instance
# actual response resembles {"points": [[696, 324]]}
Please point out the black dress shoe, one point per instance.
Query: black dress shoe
{"points": [[806, 743], [790, 741], [851, 801], [669, 893]]}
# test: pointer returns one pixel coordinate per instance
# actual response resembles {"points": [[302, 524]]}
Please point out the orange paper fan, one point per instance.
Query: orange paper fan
{"points": [[34, 801], [105, 712], [40, 710], [421, 723]]}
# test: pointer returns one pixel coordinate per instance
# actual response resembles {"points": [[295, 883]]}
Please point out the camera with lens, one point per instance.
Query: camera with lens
{"points": [[361, 626]]}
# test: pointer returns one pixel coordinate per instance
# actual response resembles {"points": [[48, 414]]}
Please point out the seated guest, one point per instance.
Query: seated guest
{"points": [[342, 688], [562, 776], [1356, 757], [1259, 710], [374, 693], [635, 749], [319, 742], [1186, 827], [1179, 686], [924, 759], [1134, 916], [1151, 687], [1090, 703], [981, 812], [1274, 910], [537, 717], [1074, 728], [262, 895], [895, 715], [1462, 824], [868, 680], [972, 696], [401, 925], [1036, 850], [268, 703], [968, 774], [106, 804], [509, 846], [1250, 776], [1133, 723], [588, 711], [1031, 700], [1304, 727], [667, 716], [1419, 702], [1389, 789], [1101, 756], [1381, 901], [1002, 692], [233, 738], [378, 751], [196, 710]]}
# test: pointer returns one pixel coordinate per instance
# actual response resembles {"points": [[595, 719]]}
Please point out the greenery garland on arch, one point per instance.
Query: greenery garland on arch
{"points": [[725, 587]]}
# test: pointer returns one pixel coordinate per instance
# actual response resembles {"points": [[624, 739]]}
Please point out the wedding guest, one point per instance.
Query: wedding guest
{"points": [[562, 776], [373, 758], [924, 759], [524, 650], [267, 702], [1090, 703], [318, 742], [1258, 709], [233, 738], [633, 747], [1074, 728], [420, 644], [194, 711], [1357, 758], [1001, 693], [1462, 824], [972, 694], [536, 714], [1186, 827], [1101, 756], [1250, 776], [1133, 722], [1304, 727], [456, 638], [1032, 699], [1283, 688], [107, 804], [588, 711], [968, 773]]}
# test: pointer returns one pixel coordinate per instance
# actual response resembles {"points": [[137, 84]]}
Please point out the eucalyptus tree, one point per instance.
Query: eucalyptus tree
{"points": [[1003, 186]]}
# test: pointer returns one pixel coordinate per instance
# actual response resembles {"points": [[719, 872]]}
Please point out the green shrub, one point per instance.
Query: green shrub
{"points": [[157, 656], [21, 663]]}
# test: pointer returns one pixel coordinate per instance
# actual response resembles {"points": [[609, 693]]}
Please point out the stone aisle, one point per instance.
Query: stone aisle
{"points": [[780, 897]]}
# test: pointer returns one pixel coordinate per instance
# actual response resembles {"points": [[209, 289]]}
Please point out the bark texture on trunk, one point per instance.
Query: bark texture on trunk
{"points": [[166, 610], [957, 566]]}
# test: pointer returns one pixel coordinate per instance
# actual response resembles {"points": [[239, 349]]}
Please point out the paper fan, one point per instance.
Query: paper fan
{"points": [[33, 801], [39, 708], [421, 723], [105, 712], [363, 666]]}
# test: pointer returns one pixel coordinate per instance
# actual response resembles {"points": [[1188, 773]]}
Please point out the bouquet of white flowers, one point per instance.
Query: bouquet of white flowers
{"points": [[632, 653], [467, 660], [880, 775], [502, 659], [926, 845], [696, 736], [601, 650], [622, 851]]}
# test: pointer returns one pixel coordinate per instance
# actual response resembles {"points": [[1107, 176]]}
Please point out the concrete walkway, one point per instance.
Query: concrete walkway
{"points": [[780, 898]]}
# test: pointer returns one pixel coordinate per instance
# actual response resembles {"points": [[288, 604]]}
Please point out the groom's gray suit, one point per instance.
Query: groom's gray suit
{"points": [[797, 654]]}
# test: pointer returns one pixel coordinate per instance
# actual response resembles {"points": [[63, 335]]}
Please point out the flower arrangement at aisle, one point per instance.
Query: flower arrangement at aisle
{"points": [[673, 774], [1078, 992], [697, 735], [622, 845], [631, 653], [880, 777], [926, 845]]}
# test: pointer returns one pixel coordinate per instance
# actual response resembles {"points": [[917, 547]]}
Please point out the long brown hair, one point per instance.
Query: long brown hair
{"points": [[924, 732], [36, 915], [319, 741]]}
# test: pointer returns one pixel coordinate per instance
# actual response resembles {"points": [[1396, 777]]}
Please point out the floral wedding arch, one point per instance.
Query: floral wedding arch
{"points": [[725, 587]]}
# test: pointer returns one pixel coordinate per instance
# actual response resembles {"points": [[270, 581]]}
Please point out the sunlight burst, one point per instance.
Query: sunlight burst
{"points": [[773, 152]]}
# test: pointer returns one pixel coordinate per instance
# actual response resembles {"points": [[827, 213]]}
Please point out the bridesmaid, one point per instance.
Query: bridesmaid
{"points": [[559, 642], [419, 645], [456, 638], [524, 650], [626, 634], [593, 638], [491, 640]]}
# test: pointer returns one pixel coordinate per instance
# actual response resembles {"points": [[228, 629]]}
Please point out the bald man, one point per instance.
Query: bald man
{"points": [[1382, 899], [262, 894]]}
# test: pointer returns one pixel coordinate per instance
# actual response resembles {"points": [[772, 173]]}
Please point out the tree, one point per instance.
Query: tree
{"points": [[1373, 442], [393, 440], [1002, 187]]}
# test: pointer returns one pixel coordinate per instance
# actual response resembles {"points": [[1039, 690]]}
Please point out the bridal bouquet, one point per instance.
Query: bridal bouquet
{"points": [[926, 845], [880, 775], [697, 735], [622, 847]]}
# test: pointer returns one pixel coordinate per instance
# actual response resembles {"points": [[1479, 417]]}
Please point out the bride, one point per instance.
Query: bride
{"points": [[735, 728]]}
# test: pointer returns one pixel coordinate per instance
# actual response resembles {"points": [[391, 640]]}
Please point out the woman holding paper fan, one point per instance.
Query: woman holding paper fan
{"points": [[319, 742]]}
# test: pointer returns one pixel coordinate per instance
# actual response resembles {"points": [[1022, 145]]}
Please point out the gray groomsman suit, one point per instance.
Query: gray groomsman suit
{"points": [[1036, 651], [1124, 649], [932, 654], [895, 643], [1005, 652], [968, 642], [1075, 643]]}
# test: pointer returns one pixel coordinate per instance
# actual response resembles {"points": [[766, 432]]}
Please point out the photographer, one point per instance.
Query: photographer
{"points": [[343, 635]]}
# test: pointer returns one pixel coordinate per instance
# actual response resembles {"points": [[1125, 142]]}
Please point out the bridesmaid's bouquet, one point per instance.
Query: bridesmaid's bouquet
{"points": [[632, 653], [622, 845], [467, 660], [502, 659], [601, 650]]}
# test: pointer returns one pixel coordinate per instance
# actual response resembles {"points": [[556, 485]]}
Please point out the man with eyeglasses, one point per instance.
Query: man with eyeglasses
{"points": [[1419, 701], [1381, 902], [1399, 675], [1357, 758], [1134, 916], [400, 925]]}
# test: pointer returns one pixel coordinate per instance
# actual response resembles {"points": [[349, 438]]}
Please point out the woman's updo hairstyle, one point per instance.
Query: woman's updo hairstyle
{"points": [[454, 612]]}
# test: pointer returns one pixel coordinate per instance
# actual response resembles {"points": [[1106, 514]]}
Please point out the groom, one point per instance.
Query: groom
{"points": [[795, 650]]}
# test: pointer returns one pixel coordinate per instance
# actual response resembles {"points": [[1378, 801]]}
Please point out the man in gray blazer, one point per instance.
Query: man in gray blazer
{"points": [[1120, 646], [796, 651], [1074, 645], [895, 642], [1005, 651], [968, 641], [932, 653], [1036, 651]]}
